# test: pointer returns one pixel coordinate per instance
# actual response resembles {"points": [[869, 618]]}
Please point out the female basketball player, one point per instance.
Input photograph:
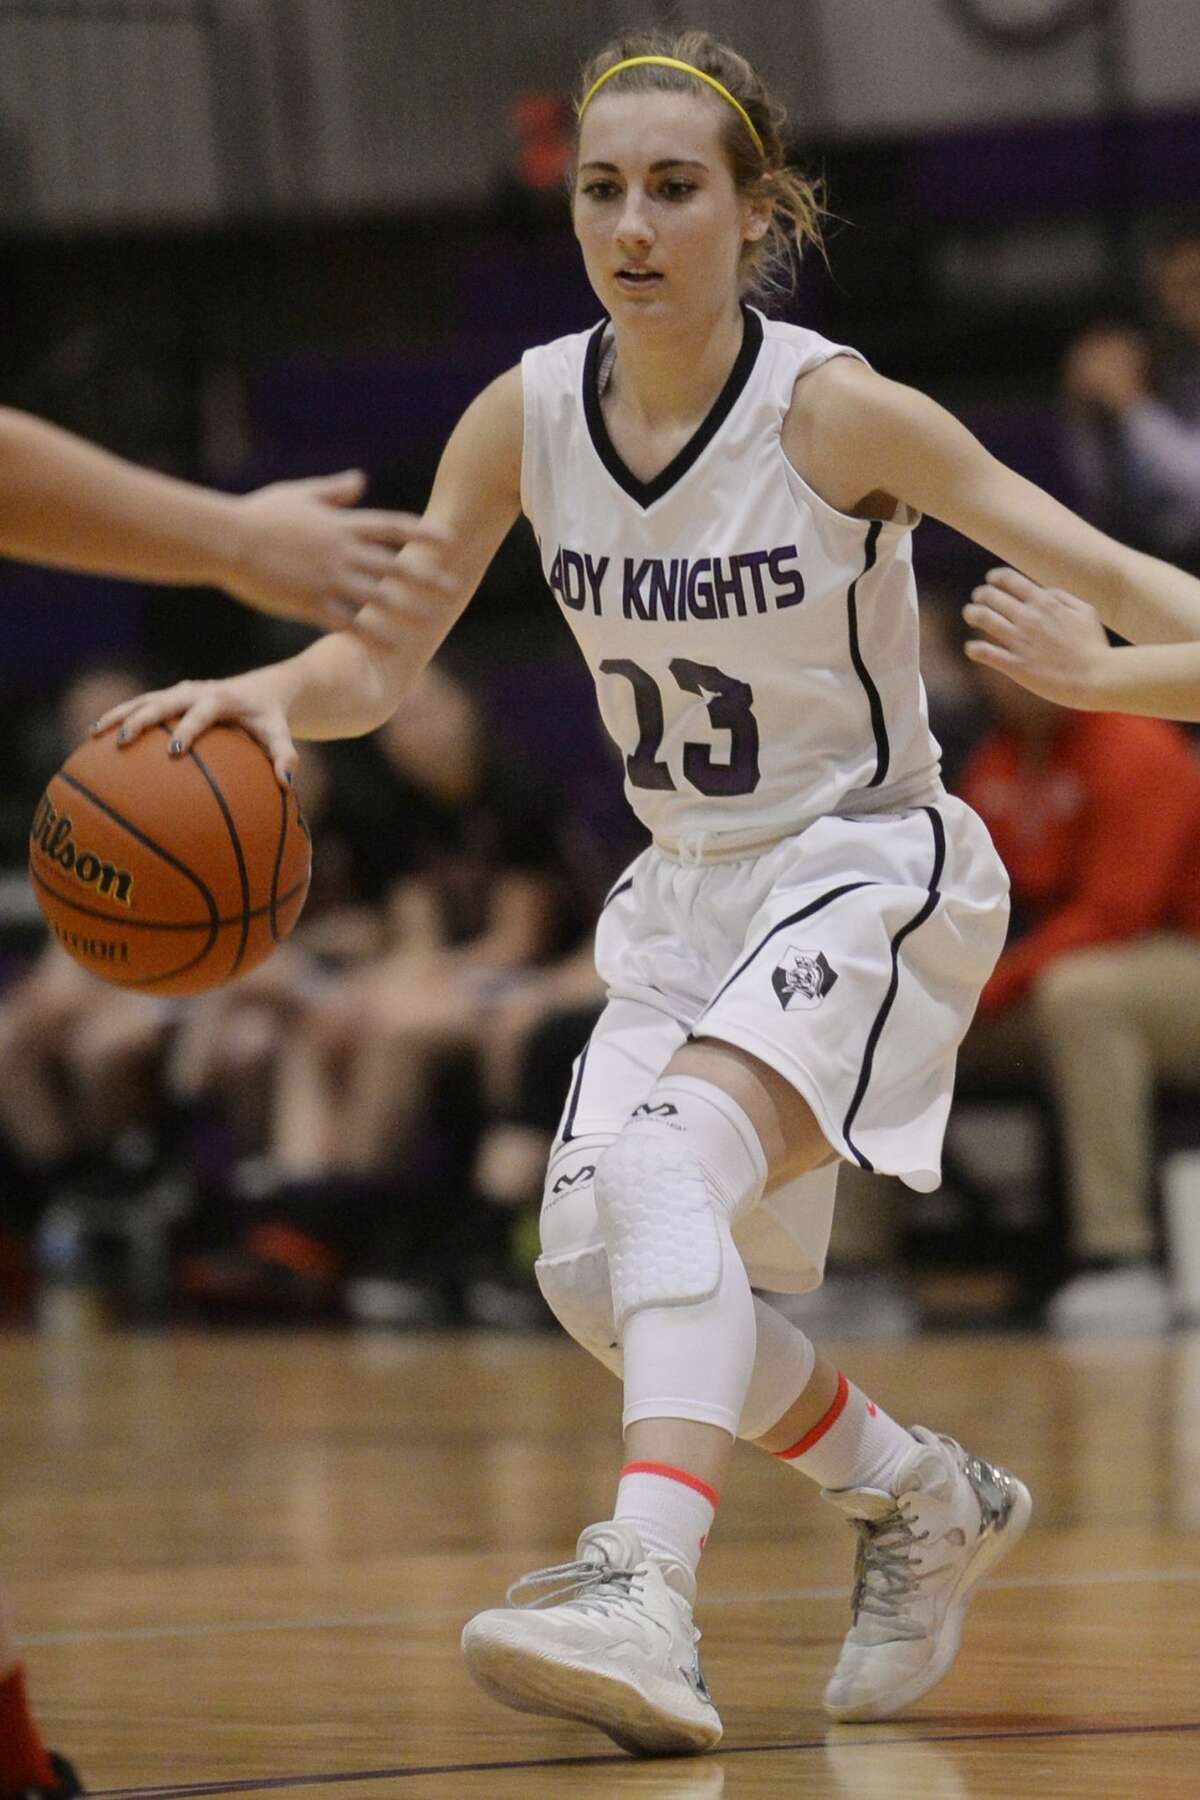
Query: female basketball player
{"points": [[292, 549], [1054, 644], [724, 506]]}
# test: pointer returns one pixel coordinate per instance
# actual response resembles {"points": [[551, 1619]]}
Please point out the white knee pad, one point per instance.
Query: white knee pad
{"points": [[572, 1270], [668, 1188]]}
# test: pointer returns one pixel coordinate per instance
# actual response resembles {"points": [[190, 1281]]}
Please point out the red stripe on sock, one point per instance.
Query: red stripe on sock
{"points": [[672, 1474], [822, 1425], [23, 1759]]}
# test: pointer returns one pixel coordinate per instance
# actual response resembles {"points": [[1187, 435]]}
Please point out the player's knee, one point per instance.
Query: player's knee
{"points": [[668, 1190], [572, 1270]]}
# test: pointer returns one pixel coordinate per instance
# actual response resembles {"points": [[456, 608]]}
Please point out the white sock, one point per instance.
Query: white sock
{"points": [[855, 1445], [671, 1511]]}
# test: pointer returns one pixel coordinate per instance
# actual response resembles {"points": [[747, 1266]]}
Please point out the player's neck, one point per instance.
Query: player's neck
{"points": [[664, 377]]}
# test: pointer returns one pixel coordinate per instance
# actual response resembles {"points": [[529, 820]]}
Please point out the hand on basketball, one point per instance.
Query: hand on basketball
{"points": [[192, 706], [1044, 639], [304, 552]]}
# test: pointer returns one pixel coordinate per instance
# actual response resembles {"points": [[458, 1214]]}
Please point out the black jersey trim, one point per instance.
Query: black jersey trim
{"points": [[883, 753], [647, 492], [881, 1017], [568, 1130]]}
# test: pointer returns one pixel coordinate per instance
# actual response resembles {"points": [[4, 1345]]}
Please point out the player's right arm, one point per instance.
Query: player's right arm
{"points": [[351, 681], [1051, 642]]}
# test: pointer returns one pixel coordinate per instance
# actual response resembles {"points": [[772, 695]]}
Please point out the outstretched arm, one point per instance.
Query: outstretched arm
{"points": [[350, 682], [861, 434], [1053, 643], [294, 548]]}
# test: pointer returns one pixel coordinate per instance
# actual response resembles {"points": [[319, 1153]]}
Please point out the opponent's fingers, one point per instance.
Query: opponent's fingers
{"points": [[991, 656], [998, 600], [998, 626], [342, 489], [373, 559], [1020, 587], [397, 528]]}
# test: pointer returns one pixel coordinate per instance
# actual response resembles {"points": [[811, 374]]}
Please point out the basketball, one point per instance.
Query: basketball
{"points": [[169, 875]]}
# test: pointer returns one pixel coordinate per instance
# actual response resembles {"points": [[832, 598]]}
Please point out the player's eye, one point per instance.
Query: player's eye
{"points": [[678, 188], [600, 190]]}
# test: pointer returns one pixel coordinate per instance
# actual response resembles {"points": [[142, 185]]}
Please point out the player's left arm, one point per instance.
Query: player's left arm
{"points": [[295, 548], [864, 435]]}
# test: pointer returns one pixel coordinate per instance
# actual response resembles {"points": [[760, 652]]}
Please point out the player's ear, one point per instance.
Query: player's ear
{"points": [[758, 210]]}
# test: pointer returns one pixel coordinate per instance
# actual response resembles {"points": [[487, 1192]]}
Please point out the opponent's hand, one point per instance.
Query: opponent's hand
{"points": [[1044, 639], [301, 550], [192, 706]]}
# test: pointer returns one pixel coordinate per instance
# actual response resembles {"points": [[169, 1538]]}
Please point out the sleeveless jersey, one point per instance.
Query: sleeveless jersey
{"points": [[754, 650]]}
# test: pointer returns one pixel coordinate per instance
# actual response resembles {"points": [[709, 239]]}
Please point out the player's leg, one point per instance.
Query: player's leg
{"points": [[27, 1769]]}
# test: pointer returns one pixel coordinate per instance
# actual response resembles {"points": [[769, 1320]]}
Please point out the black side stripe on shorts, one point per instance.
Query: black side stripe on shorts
{"points": [[883, 752], [568, 1130], [880, 1020], [805, 912]]}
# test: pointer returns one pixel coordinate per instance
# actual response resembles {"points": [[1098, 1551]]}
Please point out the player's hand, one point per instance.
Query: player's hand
{"points": [[190, 707], [1044, 639], [302, 550]]}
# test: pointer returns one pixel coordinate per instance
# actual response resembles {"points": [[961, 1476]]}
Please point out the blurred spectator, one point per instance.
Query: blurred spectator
{"points": [[1133, 410], [1097, 993], [1097, 817], [375, 1064]]}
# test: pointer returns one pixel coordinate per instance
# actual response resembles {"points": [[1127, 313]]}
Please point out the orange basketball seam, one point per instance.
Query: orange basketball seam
{"points": [[235, 839]]}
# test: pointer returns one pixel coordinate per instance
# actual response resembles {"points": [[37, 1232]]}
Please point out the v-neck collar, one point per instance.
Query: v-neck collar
{"points": [[647, 492]]}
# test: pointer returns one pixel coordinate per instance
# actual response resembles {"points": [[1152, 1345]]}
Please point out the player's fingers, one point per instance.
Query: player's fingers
{"points": [[154, 709], [114, 716]]}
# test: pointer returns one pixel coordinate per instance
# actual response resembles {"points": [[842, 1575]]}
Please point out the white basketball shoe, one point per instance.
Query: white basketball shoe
{"points": [[611, 1643], [922, 1551]]}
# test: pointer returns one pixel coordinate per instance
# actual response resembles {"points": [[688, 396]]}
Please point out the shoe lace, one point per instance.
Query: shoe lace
{"points": [[884, 1577], [596, 1587]]}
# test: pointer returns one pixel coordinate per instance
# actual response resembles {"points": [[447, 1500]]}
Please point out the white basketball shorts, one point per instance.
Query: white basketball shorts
{"points": [[848, 958]]}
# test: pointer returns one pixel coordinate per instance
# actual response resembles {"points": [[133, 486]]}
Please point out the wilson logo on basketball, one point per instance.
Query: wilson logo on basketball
{"points": [[52, 835]]}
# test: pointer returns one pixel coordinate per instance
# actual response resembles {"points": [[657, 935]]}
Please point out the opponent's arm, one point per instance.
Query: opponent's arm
{"points": [[293, 548], [350, 682], [1053, 643], [860, 434]]}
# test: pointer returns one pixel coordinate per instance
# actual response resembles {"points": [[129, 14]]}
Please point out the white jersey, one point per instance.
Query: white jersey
{"points": [[754, 650]]}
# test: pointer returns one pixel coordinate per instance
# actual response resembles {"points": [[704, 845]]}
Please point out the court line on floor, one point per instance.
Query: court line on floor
{"points": [[264, 1783], [132, 1634]]}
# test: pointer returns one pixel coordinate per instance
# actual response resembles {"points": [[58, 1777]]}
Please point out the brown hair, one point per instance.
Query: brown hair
{"points": [[767, 267]]}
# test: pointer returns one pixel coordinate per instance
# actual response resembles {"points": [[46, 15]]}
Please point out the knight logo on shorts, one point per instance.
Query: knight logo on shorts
{"points": [[803, 978]]}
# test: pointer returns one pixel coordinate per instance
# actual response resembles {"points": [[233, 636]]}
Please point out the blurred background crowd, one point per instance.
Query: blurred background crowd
{"points": [[252, 239]]}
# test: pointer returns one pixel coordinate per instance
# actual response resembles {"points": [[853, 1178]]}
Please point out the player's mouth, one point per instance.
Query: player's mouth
{"points": [[636, 280]]}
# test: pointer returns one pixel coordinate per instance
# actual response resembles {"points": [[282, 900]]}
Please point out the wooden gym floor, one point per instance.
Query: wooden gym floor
{"points": [[240, 1564]]}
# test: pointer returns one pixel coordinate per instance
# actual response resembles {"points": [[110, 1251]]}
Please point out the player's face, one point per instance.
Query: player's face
{"points": [[657, 215]]}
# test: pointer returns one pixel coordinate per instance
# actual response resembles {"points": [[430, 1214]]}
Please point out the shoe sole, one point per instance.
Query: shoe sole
{"points": [[949, 1637], [561, 1689]]}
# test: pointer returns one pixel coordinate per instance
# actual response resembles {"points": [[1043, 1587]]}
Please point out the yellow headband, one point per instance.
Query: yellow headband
{"points": [[673, 62]]}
